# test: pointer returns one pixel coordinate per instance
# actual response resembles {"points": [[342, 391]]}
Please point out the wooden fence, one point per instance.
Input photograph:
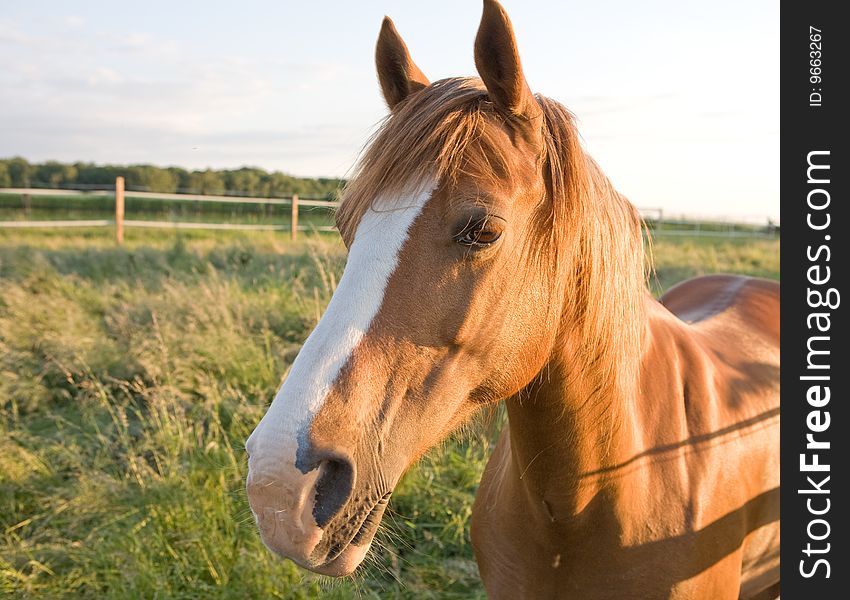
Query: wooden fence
{"points": [[121, 223], [659, 225]]}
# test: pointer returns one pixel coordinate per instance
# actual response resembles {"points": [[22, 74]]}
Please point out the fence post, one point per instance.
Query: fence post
{"points": [[294, 232], [119, 209]]}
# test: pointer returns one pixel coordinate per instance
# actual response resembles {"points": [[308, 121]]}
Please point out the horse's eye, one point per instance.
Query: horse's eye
{"points": [[478, 235]]}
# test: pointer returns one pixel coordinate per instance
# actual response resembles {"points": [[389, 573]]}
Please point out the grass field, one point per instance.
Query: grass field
{"points": [[130, 378]]}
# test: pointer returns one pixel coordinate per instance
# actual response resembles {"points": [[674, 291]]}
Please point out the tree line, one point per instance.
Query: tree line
{"points": [[17, 172]]}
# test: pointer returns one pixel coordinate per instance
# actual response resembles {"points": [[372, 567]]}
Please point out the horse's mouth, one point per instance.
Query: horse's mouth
{"points": [[362, 535]]}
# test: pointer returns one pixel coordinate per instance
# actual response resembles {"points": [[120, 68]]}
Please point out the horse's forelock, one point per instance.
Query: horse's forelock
{"points": [[585, 235]]}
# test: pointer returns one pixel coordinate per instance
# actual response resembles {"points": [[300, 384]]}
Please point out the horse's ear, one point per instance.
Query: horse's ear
{"points": [[497, 61], [398, 74]]}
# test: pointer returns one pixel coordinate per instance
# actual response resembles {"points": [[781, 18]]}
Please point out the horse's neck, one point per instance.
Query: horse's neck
{"points": [[566, 450]]}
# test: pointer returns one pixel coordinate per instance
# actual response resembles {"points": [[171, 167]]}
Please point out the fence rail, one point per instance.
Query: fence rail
{"points": [[52, 223], [120, 222], [285, 200], [655, 218]]}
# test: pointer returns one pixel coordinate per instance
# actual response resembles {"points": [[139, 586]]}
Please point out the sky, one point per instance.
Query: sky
{"points": [[678, 101]]}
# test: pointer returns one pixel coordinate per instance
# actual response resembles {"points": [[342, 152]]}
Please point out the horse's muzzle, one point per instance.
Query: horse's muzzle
{"points": [[292, 506]]}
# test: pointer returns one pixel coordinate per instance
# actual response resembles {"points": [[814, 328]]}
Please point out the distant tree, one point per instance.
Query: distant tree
{"points": [[279, 184], [250, 181], [245, 181], [5, 178], [206, 182], [19, 171], [91, 174], [54, 174], [152, 179], [182, 177]]}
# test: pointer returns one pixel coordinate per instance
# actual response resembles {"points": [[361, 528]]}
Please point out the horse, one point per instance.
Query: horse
{"points": [[491, 260]]}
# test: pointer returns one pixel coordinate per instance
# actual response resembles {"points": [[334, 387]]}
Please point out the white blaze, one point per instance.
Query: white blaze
{"points": [[272, 446]]}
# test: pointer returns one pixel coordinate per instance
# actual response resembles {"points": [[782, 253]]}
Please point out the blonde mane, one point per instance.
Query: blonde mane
{"points": [[597, 244], [589, 235]]}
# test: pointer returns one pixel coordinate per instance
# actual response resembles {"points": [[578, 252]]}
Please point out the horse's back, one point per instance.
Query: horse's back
{"points": [[704, 300], [736, 319]]}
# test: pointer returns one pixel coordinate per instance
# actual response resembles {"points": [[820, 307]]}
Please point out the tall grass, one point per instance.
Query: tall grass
{"points": [[129, 380]]}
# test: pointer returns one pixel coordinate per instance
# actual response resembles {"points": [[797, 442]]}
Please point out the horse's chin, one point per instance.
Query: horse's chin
{"points": [[336, 551], [339, 563], [345, 563]]}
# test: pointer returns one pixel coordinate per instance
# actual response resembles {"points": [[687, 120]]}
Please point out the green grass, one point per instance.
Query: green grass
{"points": [[678, 258], [130, 378]]}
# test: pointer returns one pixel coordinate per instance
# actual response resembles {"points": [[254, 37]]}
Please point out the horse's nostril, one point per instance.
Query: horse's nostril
{"points": [[333, 488]]}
